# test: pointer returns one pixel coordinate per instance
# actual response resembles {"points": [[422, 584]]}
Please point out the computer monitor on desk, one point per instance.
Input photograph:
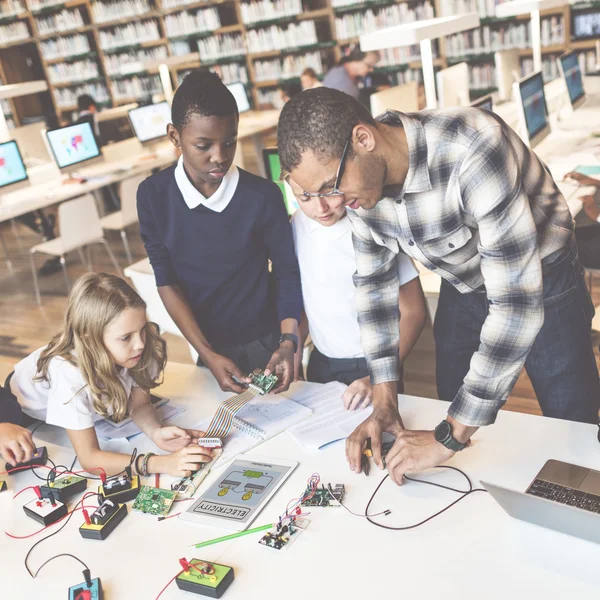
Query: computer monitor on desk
{"points": [[73, 145], [484, 102], [149, 123], [404, 98], [453, 86], [531, 104], [570, 71], [273, 170], [13, 174], [241, 98]]}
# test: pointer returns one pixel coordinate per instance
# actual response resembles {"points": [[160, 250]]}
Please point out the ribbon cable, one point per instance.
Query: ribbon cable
{"points": [[221, 423]]}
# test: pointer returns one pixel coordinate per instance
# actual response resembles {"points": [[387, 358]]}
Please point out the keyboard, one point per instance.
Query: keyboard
{"points": [[565, 495]]}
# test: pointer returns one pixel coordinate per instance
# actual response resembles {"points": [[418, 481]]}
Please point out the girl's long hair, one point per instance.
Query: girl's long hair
{"points": [[95, 300]]}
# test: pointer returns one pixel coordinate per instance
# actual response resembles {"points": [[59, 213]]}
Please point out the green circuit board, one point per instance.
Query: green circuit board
{"points": [[264, 382], [154, 501]]}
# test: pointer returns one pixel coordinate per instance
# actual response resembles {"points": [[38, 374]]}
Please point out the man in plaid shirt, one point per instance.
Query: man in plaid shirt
{"points": [[460, 192]]}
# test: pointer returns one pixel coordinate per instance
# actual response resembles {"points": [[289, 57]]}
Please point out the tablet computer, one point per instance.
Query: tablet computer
{"points": [[239, 493]]}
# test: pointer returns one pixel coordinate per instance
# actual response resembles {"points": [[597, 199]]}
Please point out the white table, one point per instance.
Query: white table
{"points": [[474, 551]]}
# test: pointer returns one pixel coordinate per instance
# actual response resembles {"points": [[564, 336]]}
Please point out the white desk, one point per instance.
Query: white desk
{"points": [[474, 551]]}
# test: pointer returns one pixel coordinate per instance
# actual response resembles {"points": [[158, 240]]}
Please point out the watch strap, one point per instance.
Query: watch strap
{"points": [[290, 337]]}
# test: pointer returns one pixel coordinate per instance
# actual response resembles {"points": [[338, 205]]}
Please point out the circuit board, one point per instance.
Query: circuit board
{"points": [[283, 535], [66, 481], [265, 383], [154, 501], [322, 496]]}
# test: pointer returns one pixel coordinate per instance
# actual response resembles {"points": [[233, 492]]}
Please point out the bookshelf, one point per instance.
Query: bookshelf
{"points": [[112, 48]]}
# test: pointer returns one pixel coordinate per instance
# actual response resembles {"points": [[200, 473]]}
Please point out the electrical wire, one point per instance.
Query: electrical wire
{"points": [[464, 493], [193, 566], [383, 512], [58, 556], [30, 535]]}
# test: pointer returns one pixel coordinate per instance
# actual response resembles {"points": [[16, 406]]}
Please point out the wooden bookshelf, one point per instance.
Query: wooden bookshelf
{"points": [[322, 12]]}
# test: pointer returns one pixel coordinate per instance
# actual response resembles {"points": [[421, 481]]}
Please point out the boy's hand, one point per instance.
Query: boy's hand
{"points": [[223, 370], [16, 443], [282, 365], [358, 394], [582, 179]]}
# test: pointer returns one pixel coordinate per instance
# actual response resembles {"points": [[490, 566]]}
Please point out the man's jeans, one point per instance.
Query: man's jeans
{"points": [[561, 363]]}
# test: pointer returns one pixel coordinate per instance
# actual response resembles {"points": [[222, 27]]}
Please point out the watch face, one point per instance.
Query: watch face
{"points": [[442, 431]]}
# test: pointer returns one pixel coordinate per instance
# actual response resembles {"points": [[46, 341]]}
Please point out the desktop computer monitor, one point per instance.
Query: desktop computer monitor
{"points": [[273, 170], [149, 123], [12, 167], [508, 70], [453, 86], [571, 73], [404, 98], [32, 141], [241, 98], [73, 144], [484, 102], [531, 102]]}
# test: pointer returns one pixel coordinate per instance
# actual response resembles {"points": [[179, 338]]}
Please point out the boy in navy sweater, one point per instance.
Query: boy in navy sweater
{"points": [[210, 230]]}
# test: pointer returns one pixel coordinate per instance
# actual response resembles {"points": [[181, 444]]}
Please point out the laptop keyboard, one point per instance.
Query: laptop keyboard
{"points": [[565, 495]]}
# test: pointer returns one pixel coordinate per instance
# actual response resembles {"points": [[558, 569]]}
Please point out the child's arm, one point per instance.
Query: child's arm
{"points": [[144, 415], [91, 457], [583, 179], [302, 335]]}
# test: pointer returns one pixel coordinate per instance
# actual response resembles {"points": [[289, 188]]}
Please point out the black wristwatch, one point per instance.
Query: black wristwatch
{"points": [[289, 337], [443, 435]]}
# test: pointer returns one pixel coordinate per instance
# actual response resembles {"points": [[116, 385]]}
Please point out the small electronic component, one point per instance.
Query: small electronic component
{"points": [[64, 487], [322, 496], [210, 442], [261, 382], [3, 487], [154, 501], [88, 590], [186, 486], [120, 488], [45, 510], [204, 578], [40, 457], [284, 534], [102, 522]]}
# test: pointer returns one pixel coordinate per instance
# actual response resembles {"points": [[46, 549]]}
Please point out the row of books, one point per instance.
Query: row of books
{"points": [[67, 97], [398, 56], [266, 10], [130, 34], [64, 20], [37, 5], [67, 72], [11, 8], [119, 9], [221, 46], [402, 77], [586, 25], [186, 23], [484, 8], [13, 32], [353, 24], [63, 47], [132, 61], [588, 62], [280, 38], [228, 73], [136, 87], [549, 68], [288, 67], [482, 76]]}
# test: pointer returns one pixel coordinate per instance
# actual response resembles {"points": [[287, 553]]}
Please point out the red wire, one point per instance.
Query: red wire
{"points": [[15, 469], [157, 480], [176, 576], [30, 487]]}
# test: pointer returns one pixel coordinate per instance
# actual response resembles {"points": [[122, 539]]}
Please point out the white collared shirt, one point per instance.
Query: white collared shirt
{"points": [[65, 400], [219, 201], [327, 264]]}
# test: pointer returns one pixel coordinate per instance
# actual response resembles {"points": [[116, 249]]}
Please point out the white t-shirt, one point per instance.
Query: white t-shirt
{"points": [[327, 264], [65, 400]]}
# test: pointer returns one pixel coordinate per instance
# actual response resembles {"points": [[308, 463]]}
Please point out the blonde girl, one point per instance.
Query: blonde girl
{"points": [[103, 364]]}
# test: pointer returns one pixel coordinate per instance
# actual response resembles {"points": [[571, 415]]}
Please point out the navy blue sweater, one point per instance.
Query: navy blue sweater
{"points": [[220, 260]]}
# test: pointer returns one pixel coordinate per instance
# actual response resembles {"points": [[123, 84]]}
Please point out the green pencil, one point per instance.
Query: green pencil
{"points": [[232, 536]]}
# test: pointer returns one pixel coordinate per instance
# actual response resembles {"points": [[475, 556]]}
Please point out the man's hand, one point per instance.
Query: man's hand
{"points": [[223, 370], [415, 451], [582, 179], [16, 444], [590, 207], [282, 365], [358, 394], [384, 418]]}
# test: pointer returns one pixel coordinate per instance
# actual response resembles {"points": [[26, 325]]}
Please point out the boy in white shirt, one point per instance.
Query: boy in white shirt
{"points": [[323, 241]]}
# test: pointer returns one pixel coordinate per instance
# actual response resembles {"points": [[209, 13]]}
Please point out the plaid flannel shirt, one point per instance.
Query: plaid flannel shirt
{"points": [[479, 208]]}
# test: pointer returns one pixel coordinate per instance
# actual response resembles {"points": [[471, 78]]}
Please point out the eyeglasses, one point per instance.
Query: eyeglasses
{"points": [[338, 178]]}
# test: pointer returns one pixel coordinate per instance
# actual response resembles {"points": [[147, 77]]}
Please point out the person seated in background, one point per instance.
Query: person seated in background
{"points": [[323, 239], [374, 82], [16, 442], [351, 71], [588, 236], [210, 231], [288, 91], [88, 111], [309, 79]]}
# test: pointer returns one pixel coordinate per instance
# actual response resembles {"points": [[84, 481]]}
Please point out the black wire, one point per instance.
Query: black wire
{"points": [[45, 479], [55, 532], [36, 427], [470, 491], [58, 556]]}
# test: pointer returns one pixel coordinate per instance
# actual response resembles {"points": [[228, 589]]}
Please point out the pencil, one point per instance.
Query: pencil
{"points": [[232, 536]]}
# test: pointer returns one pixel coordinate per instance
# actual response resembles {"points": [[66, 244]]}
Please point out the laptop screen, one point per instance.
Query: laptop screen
{"points": [[12, 167], [572, 75]]}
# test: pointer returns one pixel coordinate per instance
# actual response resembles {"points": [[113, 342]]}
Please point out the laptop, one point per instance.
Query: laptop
{"points": [[563, 497]]}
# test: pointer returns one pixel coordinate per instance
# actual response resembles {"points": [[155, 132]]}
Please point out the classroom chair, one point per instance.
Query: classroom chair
{"points": [[121, 219], [79, 226]]}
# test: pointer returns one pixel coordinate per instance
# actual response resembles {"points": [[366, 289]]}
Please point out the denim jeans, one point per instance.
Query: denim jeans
{"points": [[561, 362]]}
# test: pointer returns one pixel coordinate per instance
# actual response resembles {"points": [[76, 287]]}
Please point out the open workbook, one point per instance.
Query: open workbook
{"points": [[261, 419]]}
